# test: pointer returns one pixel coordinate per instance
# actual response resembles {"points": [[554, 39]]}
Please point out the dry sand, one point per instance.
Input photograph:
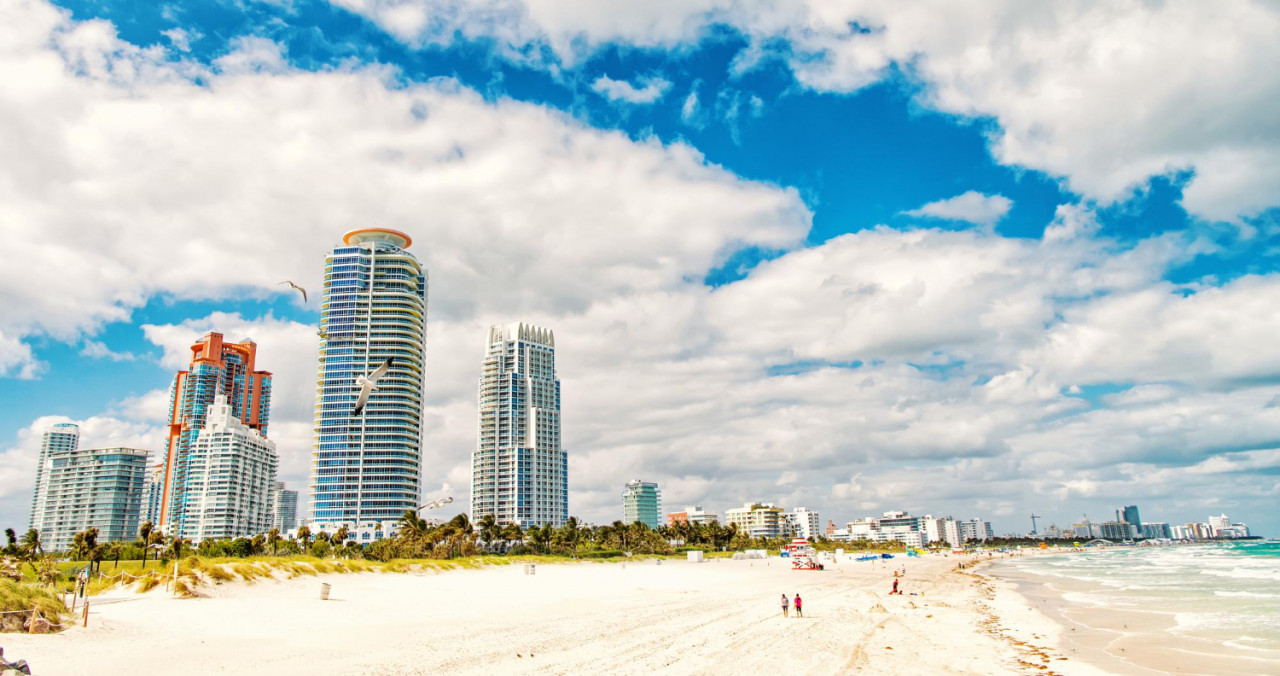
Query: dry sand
{"points": [[719, 617]]}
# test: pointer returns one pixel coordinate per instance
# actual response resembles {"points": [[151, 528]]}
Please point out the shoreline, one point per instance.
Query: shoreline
{"points": [[1127, 641]]}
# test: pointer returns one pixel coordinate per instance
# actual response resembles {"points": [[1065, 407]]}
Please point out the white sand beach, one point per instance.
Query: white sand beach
{"points": [[600, 618]]}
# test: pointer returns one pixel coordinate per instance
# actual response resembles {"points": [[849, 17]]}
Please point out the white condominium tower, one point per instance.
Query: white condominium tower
{"points": [[366, 469], [90, 488], [231, 478], [518, 472], [60, 438]]}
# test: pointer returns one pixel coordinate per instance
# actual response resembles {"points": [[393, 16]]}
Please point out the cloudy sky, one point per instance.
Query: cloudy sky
{"points": [[855, 256]]}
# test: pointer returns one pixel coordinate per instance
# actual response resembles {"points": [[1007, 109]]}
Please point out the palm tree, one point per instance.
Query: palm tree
{"points": [[304, 537], [512, 531], [144, 535], [340, 536], [489, 530], [113, 550], [412, 526], [273, 538], [175, 547], [255, 545], [12, 537], [31, 545], [571, 535]]}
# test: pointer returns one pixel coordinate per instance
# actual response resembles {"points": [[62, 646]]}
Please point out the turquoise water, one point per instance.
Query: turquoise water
{"points": [[1228, 593]]}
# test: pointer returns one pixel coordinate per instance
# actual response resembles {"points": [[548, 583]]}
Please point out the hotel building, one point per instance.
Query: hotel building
{"points": [[758, 520], [231, 476], [519, 474], [59, 438], [91, 488], [804, 523], [366, 470], [218, 368], [641, 501]]}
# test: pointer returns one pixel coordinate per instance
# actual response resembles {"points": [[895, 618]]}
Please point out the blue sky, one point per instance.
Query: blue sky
{"points": [[909, 266]]}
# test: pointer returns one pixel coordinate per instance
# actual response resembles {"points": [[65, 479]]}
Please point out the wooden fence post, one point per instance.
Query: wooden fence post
{"points": [[86, 612]]}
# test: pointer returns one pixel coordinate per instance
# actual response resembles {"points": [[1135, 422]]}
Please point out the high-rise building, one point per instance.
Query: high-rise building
{"points": [[641, 501], [217, 368], [286, 508], [366, 470], [59, 438], [1129, 514], [231, 476], [1217, 524], [519, 474], [758, 520], [152, 492], [92, 488], [804, 523]]}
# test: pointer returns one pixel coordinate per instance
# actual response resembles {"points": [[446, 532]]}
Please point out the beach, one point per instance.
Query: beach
{"points": [[677, 617]]}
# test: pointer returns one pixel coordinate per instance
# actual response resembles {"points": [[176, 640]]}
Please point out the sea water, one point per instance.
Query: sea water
{"points": [[1228, 593]]}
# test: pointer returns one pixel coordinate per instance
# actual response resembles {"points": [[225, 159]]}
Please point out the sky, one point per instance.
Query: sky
{"points": [[970, 260]]}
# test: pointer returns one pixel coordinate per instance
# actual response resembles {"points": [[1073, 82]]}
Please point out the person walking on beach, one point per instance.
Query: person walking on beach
{"points": [[799, 607], [895, 586], [786, 603]]}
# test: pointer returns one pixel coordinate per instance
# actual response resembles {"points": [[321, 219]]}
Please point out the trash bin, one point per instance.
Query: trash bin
{"points": [[324, 591]]}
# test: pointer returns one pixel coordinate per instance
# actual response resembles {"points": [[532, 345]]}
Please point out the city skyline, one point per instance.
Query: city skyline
{"points": [[854, 271]]}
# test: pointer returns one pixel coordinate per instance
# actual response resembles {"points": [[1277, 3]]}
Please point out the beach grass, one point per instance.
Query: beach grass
{"points": [[15, 597]]}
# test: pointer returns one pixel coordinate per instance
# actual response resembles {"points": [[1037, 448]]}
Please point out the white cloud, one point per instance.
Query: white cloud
{"points": [[96, 349], [180, 38], [1105, 96], [16, 359], [973, 207], [650, 90]]}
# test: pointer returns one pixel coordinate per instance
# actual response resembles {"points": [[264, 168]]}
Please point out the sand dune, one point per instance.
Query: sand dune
{"points": [[718, 617]]}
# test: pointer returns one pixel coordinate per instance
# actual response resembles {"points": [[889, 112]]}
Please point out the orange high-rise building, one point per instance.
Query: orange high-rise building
{"points": [[217, 368]]}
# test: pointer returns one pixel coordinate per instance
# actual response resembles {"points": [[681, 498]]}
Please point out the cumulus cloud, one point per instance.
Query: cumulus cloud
{"points": [[972, 207], [1193, 76], [96, 349], [650, 90]]}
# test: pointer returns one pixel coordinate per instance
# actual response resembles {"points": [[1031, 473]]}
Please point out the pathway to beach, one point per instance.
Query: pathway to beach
{"points": [[600, 618]]}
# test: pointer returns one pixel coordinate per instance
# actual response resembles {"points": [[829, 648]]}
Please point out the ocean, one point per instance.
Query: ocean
{"points": [[1223, 597]]}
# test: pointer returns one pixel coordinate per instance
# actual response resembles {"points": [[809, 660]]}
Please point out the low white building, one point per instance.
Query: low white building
{"points": [[231, 481]]}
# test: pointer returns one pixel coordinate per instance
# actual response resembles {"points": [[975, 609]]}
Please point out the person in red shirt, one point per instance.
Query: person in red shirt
{"points": [[799, 606]]}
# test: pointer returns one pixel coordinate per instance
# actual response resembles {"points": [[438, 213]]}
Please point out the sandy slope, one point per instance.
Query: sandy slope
{"points": [[605, 618]]}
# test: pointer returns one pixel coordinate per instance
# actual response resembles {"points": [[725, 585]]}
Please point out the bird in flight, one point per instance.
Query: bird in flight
{"points": [[368, 384], [436, 504], [299, 289]]}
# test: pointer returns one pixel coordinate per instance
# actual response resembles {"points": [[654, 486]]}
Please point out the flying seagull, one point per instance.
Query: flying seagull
{"points": [[300, 289], [368, 384], [436, 504]]}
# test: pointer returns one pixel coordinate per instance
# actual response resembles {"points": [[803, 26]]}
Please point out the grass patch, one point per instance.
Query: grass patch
{"points": [[15, 596]]}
